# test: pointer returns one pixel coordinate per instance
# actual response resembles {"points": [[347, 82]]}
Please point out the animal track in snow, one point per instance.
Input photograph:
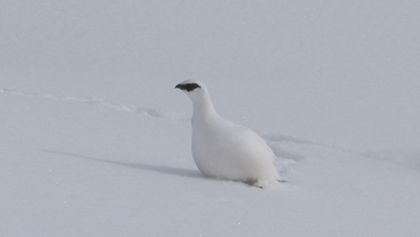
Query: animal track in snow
{"points": [[152, 112], [277, 142]]}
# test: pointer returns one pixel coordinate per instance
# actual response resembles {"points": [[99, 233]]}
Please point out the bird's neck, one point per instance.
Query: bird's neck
{"points": [[204, 109]]}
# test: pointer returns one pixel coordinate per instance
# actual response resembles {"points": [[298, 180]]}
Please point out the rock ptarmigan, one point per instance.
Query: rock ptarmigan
{"points": [[224, 150]]}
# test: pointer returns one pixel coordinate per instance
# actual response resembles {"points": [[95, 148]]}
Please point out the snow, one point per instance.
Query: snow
{"points": [[94, 140]]}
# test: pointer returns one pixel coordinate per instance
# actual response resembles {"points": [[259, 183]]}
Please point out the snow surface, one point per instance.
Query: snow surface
{"points": [[94, 140]]}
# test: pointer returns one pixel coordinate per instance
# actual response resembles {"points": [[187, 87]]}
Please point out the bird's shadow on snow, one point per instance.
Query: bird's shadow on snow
{"points": [[163, 169]]}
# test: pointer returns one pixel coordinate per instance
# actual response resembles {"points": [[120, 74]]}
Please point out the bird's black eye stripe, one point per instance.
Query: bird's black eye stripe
{"points": [[188, 87]]}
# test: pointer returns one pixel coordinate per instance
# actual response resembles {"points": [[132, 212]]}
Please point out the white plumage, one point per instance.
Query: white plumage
{"points": [[225, 150]]}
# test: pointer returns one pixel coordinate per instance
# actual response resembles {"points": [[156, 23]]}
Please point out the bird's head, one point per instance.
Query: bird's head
{"points": [[194, 89]]}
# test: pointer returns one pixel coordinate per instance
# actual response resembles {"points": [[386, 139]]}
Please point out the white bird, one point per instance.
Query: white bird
{"points": [[224, 150]]}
